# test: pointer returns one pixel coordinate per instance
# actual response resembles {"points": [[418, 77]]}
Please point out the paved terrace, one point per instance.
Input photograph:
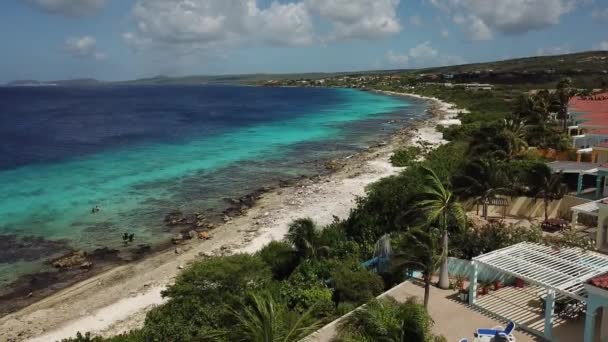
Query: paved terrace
{"points": [[453, 318]]}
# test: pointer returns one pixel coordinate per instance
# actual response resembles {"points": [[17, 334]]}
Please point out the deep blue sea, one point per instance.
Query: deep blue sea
{"points": [[138, 152]]}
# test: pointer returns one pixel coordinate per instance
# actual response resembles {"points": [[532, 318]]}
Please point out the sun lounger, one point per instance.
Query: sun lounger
{"points": [[508, 330]]}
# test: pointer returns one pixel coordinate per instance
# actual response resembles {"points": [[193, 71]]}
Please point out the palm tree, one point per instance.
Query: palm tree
{"points": [[267, 320], [515, 131], [419, 250], [386, 320], [443, 210], [304, 236], [483, 180], [564, 92], [546, 185]]}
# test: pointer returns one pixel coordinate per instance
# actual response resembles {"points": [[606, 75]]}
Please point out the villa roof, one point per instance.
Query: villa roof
{"points": [[564, 270]]}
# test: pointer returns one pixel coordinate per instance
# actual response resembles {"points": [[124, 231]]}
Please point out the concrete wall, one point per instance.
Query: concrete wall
{"points": [[529, 208]]}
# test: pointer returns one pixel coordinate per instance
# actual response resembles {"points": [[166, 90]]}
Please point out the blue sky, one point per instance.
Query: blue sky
{"points": [[126, 39]]}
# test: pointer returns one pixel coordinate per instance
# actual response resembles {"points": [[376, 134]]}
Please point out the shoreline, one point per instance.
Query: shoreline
{"points": [[117, 300]]}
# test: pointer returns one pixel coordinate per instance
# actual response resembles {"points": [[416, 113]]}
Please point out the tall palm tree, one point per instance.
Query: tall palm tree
{"points": [[482, 180], [304, 235], [564, 91], [441, 208], [546, 185], [418, 249], [266, 320]]}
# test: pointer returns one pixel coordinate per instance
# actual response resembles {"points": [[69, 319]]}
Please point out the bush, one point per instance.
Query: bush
{"points": [[201, 296], [281, 258], [307, 287], [492, 236], [354, 284], [338, 243], [405, 156]]}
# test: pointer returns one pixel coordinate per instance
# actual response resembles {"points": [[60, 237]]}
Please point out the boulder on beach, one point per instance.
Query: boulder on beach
{"points": [[204, 235], [177, 238]]}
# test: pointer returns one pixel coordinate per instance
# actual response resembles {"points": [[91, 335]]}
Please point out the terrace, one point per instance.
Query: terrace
{"points": [[551, 298]]}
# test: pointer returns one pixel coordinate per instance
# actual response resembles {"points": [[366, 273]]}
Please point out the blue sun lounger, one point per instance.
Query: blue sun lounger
{"points": [[493, 332]]}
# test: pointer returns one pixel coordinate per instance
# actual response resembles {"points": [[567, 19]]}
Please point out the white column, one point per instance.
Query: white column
{"points": [[473, 282], [549, 306], [574, 218]]}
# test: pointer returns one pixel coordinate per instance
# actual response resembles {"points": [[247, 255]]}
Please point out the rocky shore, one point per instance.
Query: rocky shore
{"points": [[117, 299]]}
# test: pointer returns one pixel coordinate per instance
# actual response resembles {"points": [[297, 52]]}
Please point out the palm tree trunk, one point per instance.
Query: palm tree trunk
{"points": [[444, 280], [546, 209], [427, 289]]}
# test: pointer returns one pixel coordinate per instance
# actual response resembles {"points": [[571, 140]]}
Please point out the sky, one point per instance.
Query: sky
{"points": [[127, 39]]}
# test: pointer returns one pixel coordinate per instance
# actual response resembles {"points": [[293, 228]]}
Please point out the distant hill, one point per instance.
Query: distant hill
{"points": [[596, 61], [588, 68], [74, 82]]}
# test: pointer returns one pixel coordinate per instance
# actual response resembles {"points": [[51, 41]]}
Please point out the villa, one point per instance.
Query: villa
{"points": [[589, 133]]}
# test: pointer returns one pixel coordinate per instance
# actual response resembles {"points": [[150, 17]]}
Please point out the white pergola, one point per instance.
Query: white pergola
{"points": [[562, 271]]}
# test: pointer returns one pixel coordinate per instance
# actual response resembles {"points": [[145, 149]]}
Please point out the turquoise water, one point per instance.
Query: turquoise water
{"points": [[137, 185]]}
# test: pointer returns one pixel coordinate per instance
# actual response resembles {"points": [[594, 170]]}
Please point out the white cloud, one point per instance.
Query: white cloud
{"points": [[215, 24], [421, 55], [479, 17], [603, 46], [416, 21], [423, 51], [358, 19], [397, 59], [84, 47], [69, 8], [600, 14], [474, 27]]}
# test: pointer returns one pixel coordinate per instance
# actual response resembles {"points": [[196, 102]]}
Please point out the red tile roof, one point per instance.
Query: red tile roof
{"points": [[600, 281]]}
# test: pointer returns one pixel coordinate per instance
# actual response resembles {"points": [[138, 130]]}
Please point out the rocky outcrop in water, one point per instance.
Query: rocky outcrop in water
{"points": [[73, 260]]}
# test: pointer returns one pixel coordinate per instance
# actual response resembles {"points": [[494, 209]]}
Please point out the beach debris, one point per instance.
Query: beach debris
{"points": [[71, 260], [204, 235], [181, 267], [205, 254]]}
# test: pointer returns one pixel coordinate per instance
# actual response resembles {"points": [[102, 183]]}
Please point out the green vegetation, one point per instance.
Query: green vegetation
{"points": [[403, 157], [386, 320]]}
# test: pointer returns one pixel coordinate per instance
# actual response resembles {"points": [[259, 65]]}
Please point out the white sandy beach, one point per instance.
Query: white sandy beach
{"points": [[117, 300]]}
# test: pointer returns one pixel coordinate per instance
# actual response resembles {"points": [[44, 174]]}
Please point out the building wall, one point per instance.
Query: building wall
{"points": [[529, 208]]}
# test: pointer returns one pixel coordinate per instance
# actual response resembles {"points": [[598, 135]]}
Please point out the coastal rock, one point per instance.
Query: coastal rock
{"points": [[177, 238], [178, 251], [71, 260], [192, 234], [203, 235]]}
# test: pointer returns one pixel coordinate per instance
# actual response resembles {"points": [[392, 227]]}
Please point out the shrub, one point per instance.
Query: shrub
{"points": [[403, 157], [281, 258], [201, 295], [354, 284], [483, 239]]}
